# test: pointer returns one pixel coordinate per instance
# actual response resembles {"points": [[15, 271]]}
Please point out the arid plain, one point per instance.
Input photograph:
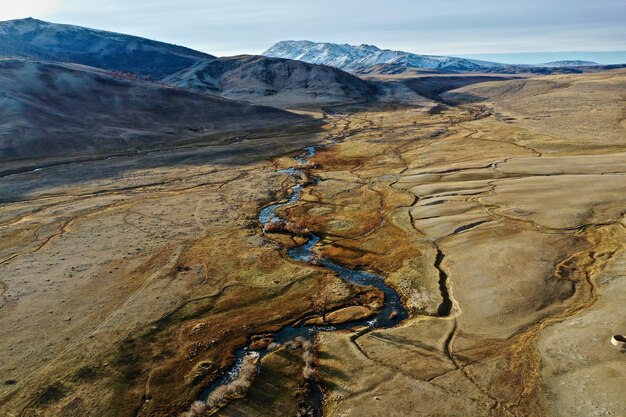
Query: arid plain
{"points": [[497, 214]]}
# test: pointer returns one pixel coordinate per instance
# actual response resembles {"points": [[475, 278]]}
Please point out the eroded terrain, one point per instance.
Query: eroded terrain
{"points": [[128, 284]]}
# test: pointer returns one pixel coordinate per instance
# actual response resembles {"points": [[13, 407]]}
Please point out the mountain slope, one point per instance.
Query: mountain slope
{"points": [[371, 60], [573, 108], [257, 79], [569, 63], [360, 58], [49, 109], [273, 81], [112, 51]]}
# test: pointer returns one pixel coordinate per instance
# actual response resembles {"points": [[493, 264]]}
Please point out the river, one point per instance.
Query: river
{"points": [[392, 313]]}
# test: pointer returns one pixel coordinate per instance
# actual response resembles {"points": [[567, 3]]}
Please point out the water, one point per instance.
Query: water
{"points": [[304, 253]]}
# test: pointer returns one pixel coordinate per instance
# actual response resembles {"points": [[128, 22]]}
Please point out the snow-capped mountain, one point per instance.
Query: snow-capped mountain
{"points": [[32, 38], [569, 63], [361, 58]]}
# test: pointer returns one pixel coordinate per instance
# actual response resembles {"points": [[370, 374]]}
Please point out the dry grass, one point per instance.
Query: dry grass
{"points": [[505, 216]]}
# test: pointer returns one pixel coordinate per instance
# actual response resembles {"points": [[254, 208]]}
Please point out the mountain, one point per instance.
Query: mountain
{"points": [[570, 63], [52, 109], [362, 58], [37, 39], [257, 79], [371, 60], [273, 81]]}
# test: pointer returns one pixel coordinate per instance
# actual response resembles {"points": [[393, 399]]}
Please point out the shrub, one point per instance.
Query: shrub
{"points": [[239, 386], [308, 356]]}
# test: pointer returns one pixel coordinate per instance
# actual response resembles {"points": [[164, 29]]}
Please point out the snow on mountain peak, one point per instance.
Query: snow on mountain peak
{"points": [[569, 63], [355, 58]]}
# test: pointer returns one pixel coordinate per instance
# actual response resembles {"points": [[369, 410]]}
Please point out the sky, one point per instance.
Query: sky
{"points": [[529, 31]]}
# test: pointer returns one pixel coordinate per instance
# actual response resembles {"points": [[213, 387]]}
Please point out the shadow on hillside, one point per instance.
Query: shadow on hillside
{"points": [[455, 99], [433, 86], [100, 173]]}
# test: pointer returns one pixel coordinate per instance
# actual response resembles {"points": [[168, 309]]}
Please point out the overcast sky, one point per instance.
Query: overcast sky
{"points": [[447, 27]]}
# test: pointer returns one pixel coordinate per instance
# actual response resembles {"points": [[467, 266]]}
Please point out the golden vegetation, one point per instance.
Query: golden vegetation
{"points": [[147, 279]]}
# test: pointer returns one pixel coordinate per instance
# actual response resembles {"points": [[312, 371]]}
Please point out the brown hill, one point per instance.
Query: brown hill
{"points": [[50, 109]]}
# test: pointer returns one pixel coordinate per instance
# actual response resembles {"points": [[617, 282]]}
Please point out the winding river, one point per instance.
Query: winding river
{"points": [[392, 313]]}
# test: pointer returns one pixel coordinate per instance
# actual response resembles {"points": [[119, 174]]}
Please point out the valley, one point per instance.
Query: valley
{"points": [[323, 230], [149, 274]]}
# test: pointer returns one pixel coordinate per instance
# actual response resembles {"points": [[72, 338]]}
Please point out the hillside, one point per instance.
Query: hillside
{"points": [[575, 107], [273, 81], [37, 39], [50, 109], [433, 86], [257, 79]]}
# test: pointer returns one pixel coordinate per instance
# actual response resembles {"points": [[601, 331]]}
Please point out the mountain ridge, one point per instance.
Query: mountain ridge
{"points": [[368, 59], [356, 58], [276, 82], [256, 79], [38, 39], [569, 63]]}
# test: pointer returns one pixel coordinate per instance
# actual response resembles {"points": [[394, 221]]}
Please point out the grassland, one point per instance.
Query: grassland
{"points": [[128, 284]]}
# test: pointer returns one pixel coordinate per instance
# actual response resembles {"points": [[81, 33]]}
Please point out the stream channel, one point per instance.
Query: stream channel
{"points": [[304, 253]]}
